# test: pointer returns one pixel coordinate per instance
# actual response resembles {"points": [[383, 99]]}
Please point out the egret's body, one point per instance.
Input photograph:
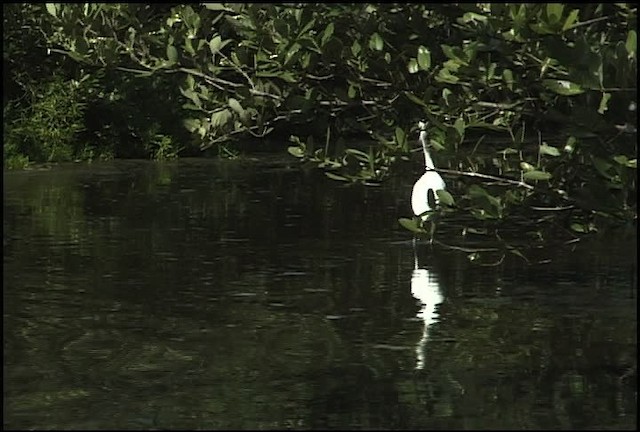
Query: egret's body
{"points": [[430, 180]]}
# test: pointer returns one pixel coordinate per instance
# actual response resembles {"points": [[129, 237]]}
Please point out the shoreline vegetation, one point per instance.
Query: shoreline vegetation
{"points": [[529, 107]]}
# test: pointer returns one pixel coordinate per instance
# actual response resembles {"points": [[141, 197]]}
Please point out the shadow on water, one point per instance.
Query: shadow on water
{"points": [[244, 294]]}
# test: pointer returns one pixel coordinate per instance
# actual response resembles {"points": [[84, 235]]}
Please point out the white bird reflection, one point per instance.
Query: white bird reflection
{"points": [[425, 288]]}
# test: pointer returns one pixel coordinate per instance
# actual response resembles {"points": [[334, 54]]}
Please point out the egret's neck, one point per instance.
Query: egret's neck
{"points": [[428, 162]]}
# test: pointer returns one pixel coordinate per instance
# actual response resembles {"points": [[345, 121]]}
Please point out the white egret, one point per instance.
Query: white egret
{"points": [[429, 183]]}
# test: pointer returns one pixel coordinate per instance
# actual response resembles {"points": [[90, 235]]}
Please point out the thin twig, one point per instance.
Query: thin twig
{"points": [[209, 78], [261, 93], [552, 208], [486, 176], [587, 22], [462, 249], [239, 69], [319, 78]]}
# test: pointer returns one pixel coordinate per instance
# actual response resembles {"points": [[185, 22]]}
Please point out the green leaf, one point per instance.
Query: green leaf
{"points": [[412, 225], [235, 105], [376, 42], [542, 28], [621, 159], [526, 166], [424, 58], [632, 43], [296, 151], [216, 7], [214, 44], [472, 17], [191, 124], [188, 46], [624, 161], [570, 145], [172, 53], [220, 118], [190, 82], [537, 175], [507, 75], [360, 155], [489, 206], [192, 107], [413, 66], [333, 176], [476, 191], [549, 150], [571, 19], [193, 96], [292, 51], [507, 151], [355, 48], [444, 75], [578, 228], [445, 197], [400, 136], [554, 12], [328, 32], [415, 99], [288, 77], [308, 26], [563, 87], [454, 54], [602, 166], [604, 102], [459, 126], [52, 9]]}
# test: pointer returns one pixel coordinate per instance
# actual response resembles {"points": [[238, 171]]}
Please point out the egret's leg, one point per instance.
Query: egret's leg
{"points": [[432, 231]]}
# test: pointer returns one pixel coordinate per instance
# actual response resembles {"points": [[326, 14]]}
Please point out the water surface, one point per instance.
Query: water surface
{"points": [[244, 294]]}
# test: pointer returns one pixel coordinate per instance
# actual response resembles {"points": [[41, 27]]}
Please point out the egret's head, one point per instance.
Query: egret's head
{"points": [[422, 125]]}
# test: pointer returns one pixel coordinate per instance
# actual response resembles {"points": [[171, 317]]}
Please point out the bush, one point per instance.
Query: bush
{"points": [[46, 129]]}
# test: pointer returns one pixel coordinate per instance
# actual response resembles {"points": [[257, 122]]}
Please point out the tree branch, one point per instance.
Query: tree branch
{"points": [[488, 177]]}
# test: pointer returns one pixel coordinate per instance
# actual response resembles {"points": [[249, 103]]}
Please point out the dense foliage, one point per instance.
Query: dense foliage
{"points": [[531, 106]]}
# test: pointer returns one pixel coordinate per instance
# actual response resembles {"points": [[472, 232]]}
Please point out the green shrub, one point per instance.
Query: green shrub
{"points": [[46, 129]]}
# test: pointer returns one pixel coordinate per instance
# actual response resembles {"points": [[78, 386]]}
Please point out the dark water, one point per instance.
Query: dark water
{"points": [[206, 295]]}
